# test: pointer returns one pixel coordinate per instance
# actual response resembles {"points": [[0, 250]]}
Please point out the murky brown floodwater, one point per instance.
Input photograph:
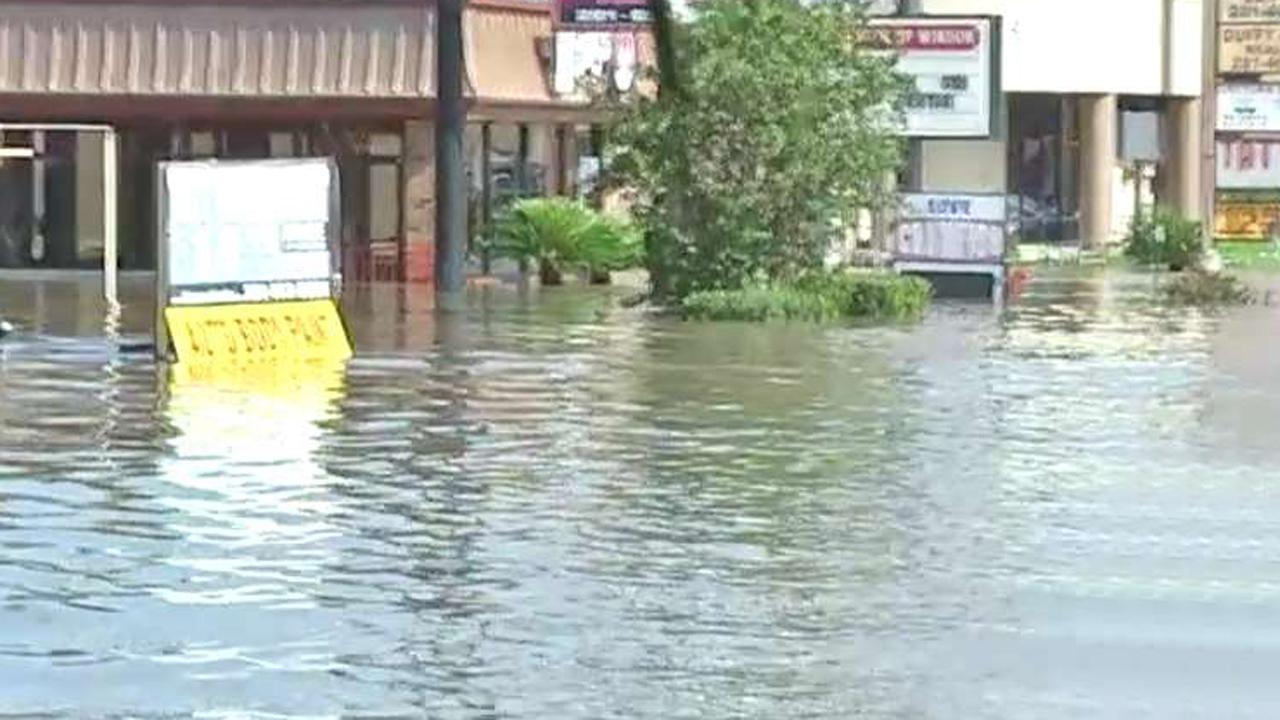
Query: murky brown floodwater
{"points": [[549, 507]]}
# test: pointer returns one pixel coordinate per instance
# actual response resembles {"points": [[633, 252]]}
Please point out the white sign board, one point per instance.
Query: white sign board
{"points": [[951, 228], [247, 231], [1248, 108], [1248, 165], [581, 56], [951, 61]]}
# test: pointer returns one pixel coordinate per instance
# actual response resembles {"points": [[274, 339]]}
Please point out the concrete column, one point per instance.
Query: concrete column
{"points": [[569, 160], [90, 208], [418, 203], [1180, 181], [548, 149], [1098, 121]]}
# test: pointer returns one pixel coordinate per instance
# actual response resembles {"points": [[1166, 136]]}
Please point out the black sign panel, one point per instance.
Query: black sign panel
{"points": [[605, 12]]}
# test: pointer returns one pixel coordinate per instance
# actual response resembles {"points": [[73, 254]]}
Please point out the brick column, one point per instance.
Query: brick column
{"points": [[418, 203], [569, 161]]}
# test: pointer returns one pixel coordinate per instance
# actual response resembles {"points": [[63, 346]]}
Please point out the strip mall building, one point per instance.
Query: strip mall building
{"points": [[1076, 94], [182, 79], [1098, 105]]}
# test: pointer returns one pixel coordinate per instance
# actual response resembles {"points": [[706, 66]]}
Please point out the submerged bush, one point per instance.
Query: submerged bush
{"points": [[816, 298], [1164, 238], [563, 235], [1199, 288]]}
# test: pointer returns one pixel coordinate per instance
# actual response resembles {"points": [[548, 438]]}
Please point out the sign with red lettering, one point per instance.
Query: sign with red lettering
{"points": [[952, 61], [1248, 164]]}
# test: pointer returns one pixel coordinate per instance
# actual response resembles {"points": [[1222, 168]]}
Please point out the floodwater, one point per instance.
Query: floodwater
{"points": [[545, 506]]}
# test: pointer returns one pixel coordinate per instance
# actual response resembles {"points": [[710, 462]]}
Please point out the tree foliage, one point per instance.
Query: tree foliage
{"points": [[780, 128]]}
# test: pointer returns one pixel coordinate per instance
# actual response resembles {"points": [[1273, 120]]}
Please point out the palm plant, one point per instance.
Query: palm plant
{"points": [[560, 234]]}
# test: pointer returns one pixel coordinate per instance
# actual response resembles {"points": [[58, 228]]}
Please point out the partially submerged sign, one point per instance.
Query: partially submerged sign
{"points": [[952, 228], [248, 263], [952, 62]]}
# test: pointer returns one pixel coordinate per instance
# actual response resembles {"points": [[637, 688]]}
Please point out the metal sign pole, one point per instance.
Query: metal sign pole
{"points": [[110, 229], [1209, 122]]}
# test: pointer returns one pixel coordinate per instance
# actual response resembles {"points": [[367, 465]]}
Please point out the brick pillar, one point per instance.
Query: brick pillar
{"points": [[569, 160], [549, 149], [418, 202]]}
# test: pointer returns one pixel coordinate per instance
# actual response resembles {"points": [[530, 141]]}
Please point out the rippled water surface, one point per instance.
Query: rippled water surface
{"points": [[550, 507]]}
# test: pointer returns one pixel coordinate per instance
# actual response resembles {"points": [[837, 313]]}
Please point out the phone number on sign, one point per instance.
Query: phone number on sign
{"points": [[261, 335]]}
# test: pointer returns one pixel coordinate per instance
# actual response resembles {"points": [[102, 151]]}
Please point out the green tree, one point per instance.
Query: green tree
{"points": [[780, 126]]}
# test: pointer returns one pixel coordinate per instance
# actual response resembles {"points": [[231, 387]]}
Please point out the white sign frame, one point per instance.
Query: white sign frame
{"points": [[934, 51], [974, 224], [315, 286]]}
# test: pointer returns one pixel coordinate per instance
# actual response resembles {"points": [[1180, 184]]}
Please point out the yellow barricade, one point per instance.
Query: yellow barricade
{"points": [[255, 339]]}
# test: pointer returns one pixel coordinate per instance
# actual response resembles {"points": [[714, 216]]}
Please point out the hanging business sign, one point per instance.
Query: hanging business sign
{"points": [[952, 64], [952, 228], [1249, 49], [605, 13], [1249, 108], [1236, 11]]}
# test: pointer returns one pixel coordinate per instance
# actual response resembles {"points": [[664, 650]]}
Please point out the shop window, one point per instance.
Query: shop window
{"points": [[202, 144], [282, 144]]}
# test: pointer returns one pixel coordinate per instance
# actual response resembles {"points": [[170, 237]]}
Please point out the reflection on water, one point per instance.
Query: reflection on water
{"points": [[546, 506]]}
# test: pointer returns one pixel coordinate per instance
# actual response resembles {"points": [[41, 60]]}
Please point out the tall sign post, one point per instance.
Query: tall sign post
{"points": [[1209, 122], [1242, 117], [451, 190]]}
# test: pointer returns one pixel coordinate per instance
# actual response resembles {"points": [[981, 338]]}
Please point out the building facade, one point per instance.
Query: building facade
{"points": [[184, 79], [1099, 110]]}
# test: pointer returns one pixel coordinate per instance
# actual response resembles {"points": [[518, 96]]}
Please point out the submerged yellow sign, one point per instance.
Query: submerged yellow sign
{"points": [[257, 333]]}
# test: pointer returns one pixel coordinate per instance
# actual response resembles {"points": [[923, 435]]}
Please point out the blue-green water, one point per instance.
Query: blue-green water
{"points": [[550, 507]]}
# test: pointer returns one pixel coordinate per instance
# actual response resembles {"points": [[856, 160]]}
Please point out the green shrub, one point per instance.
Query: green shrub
{"points": [[1199, 288], [748, 168], [562, 235], [816, 298], [1164, 238]]}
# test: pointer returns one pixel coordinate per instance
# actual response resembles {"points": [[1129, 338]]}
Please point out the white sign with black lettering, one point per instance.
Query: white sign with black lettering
{"points": [[952, 228], [1248, 108], [951, 61], [248, 231]]}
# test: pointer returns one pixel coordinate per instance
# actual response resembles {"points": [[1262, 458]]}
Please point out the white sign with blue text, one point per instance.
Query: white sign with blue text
{"points": [[951, 227]]}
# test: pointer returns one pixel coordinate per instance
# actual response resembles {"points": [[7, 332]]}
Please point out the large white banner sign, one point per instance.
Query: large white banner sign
{"points": [[952, 228], [248, 231], [951, 61]]}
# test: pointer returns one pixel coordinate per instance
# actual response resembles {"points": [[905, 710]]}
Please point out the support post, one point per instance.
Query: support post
{"points": [[486, 195], [451, 192], [1209, 120], [1098, 160], [110, 224]]}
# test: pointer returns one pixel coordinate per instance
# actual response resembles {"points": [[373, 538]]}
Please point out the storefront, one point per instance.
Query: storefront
{"points": [[180, 80]]}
